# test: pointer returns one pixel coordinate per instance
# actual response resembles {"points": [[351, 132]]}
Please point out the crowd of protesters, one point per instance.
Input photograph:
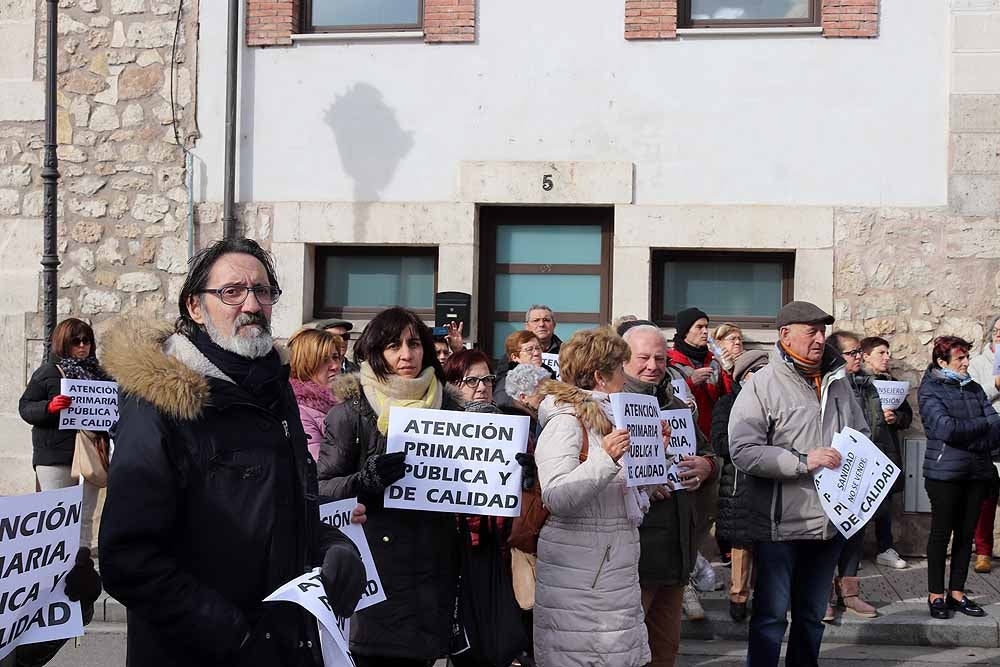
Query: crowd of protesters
{"points": [[227, 442]]}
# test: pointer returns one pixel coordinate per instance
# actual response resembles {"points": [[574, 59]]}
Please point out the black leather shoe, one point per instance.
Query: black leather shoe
{"points": [[738, 611], [966, 606], [939, 608]]}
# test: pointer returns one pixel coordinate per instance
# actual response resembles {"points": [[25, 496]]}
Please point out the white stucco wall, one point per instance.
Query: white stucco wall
{"points": [[724, 120]]}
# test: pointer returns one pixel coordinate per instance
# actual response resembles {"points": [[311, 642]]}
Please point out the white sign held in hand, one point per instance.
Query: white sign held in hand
{"points": [[683, 442], [552, 361], [308, 592], [891, 393], [851, 493], [645, 461], [681, 389], [338, 515], [460, 462], [94, 406]]}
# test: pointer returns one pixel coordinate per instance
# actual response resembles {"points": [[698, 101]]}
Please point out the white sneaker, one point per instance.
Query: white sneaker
{"points": [[692, 605], [890, 558]]}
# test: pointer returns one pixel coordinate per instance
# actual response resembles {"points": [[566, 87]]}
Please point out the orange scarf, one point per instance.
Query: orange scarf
{"points": [[807, 369]]}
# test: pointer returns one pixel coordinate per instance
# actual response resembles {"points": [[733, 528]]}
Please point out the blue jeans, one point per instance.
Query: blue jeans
{"points": [[791, 575]]}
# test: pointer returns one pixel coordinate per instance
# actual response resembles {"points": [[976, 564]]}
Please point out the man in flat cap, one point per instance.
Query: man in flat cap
{"points": [[780, 431]]}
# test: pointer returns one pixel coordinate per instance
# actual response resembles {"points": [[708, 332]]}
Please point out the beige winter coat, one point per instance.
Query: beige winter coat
{"points": [[588, 605]]}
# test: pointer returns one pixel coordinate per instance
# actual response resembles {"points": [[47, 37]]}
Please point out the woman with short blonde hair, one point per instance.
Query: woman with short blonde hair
{"points": [[314, 364], [588, 549]]}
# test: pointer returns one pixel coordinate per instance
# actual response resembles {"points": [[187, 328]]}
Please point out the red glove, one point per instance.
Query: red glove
{"points": [[58, 403]]}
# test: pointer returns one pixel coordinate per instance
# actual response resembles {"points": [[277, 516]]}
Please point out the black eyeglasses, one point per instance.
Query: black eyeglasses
{"points": [[80, 340], [856, 352], [235, 295], [471, 381]]}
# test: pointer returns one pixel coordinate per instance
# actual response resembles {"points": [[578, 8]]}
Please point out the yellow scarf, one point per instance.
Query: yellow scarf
{"points": [[423, 391]]}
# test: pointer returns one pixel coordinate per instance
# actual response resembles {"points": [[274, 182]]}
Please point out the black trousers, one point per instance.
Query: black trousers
{"points": [[379, 661], [954, 511]]}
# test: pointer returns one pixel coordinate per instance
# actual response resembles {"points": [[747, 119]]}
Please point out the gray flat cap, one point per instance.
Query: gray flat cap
{"points": [[802, 312]]}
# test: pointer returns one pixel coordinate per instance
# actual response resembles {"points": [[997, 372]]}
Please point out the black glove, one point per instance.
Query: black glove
{"points": [[529, 471], [343, 577], [82, 581], [382, 470]]}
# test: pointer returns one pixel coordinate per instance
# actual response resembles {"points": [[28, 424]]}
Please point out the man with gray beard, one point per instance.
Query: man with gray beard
{"points": [[211, 501]]}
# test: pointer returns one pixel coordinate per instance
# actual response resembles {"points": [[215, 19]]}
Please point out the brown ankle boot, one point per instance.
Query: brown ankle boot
{"points": [[850, 590]]}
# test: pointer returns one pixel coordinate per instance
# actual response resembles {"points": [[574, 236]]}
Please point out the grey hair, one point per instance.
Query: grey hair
{"points": [[537, 306], [988, 334], [525, 379], [643, 328]]}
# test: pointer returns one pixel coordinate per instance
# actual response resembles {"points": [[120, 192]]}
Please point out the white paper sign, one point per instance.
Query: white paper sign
{"points": [[645, 461], [94, 407], [307, 591], [891, 393], [681, 389], [458, 461], [851, 493], [683, 442], [552, 361], [338, 515], [39, 538]]}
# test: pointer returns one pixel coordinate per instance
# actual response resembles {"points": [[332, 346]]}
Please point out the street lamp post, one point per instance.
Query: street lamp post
{"points": [[50, 173]]}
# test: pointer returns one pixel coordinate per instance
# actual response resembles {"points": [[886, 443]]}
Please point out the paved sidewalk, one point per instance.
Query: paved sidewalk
{"points": [[899, 595]]}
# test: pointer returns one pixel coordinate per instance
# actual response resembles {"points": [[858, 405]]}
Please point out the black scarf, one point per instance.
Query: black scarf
{"points": [[261, 378], [695, 354], [81, 369]]}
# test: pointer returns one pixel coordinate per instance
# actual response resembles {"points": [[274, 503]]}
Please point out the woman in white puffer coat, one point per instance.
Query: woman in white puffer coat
{"points": [[588, 605]]}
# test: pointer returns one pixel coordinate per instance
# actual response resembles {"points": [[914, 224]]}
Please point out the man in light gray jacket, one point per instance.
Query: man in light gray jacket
{"points": [[780, 431]]}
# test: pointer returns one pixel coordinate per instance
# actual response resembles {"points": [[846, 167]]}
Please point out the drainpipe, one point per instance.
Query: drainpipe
{"points": [[229, 222], [50, 175]]}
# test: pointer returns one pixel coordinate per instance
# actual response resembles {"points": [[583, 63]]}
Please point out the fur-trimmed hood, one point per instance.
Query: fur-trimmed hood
{"points": [[150, 361], [561, 398]]}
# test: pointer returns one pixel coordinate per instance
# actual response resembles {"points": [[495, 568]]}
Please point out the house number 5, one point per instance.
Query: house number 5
{"points": [[547, 182]]}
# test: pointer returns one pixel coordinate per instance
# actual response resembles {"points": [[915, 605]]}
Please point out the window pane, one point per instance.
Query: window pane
{"points": [[548, 244], [338, 13], [503, 329], [737, 10], [561, 293], [724, 289], [379, 281]]}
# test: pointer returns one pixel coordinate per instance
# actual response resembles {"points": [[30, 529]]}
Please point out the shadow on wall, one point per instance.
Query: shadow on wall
{"points": [[371, 144]]}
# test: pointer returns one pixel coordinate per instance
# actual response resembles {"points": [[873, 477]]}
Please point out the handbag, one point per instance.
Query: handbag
{"points": [[526, 527], [522, 568], [90, 457]]}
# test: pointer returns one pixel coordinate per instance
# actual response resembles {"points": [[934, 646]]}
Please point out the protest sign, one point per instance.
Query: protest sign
{"points": [[39, 538], [996, 365], [891, 393], [681, 389], [307, 591], [457, 461], [94, 408], [338, 515], [552, 361], [851, 493], [683, 442], [645, 461]]}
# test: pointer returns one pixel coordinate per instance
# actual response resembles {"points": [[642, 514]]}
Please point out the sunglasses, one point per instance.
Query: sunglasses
{"points": [[80, 340]]}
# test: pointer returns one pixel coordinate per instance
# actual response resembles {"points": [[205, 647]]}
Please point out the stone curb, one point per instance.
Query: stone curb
{"points": [[900, 623]]}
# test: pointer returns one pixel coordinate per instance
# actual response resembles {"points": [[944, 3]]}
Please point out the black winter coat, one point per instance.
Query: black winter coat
{"points": [[733, 519], [50, 446], [415, 552], [963, 429], [885, 435], [211, 506]]}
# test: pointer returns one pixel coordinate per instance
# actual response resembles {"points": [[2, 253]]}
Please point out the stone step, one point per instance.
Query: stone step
{"points": [[898, 623], [722, 653]]}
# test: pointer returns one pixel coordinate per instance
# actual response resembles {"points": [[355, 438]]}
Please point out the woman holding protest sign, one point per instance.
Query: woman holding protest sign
{"points": [[588, 604], [963, 433], [315, 362], [72, 356], [415, 552]]}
